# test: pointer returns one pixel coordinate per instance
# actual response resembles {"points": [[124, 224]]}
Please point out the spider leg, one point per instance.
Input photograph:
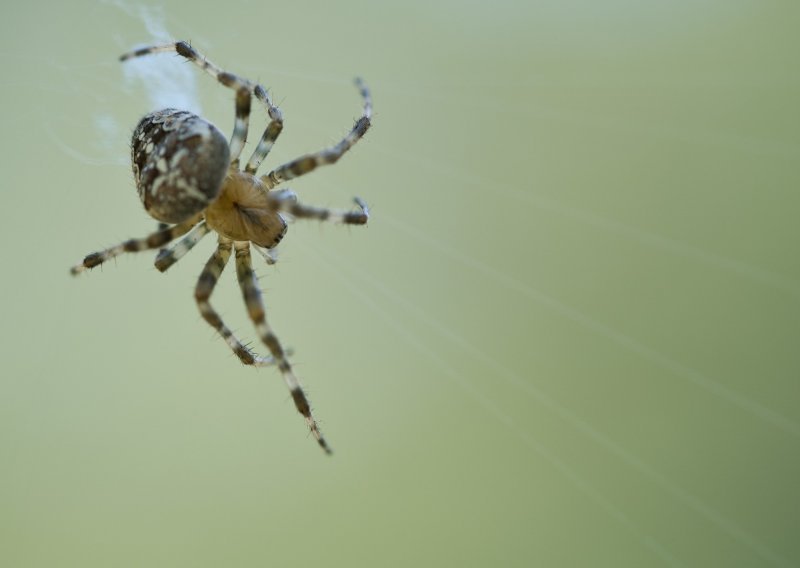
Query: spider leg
{"points": [[161, 226], [168, 256], [310, 162], [286, 200], [271, 133], [240, 125], [244, 90], [255, 309], [202, 293], [151, 241]]}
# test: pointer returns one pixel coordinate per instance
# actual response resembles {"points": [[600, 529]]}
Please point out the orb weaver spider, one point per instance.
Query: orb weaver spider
{"points": [[188, 178]]}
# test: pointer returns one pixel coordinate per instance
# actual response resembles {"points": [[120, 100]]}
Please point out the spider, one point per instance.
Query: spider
{"points": [[188, 178]]}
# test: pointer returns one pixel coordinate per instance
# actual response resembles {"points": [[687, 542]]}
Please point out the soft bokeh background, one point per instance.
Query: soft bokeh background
{"points": [[569, 336]]}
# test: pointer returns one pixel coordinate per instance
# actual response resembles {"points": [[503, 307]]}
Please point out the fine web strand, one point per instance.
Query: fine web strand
{"points": [[672, 246], [685, 497], [165, 78], [493, 410], [645, 351]]}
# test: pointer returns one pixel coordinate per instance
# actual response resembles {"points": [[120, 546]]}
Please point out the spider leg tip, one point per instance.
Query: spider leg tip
{"points": [[81, 268]]}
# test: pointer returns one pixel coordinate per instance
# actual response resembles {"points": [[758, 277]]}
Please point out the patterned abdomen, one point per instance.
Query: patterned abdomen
{"points": [[179, 162]]}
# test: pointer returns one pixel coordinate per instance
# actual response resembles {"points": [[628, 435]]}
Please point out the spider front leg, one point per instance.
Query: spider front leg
{"points": [[152, 241], [310, 162], [256, 311], [202, 293], [244, 91]]}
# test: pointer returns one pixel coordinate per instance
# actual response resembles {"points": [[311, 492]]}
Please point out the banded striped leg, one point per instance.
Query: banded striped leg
{"points": [[255, 309], [202, 293], [161, 226], [287, 201], [151, 241], [310, 162], [271, 133], [168, 257], [242, 86]]}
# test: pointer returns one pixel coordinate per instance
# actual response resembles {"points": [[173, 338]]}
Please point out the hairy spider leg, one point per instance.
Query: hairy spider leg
{"points": [[270, 135], [257, 313], [205, 286], [310, 162], [151, 241], [286, 200], [168, 256]]}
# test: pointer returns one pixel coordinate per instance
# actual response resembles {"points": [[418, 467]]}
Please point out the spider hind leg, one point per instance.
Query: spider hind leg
{"points": [[205, 287], [256, 312]]}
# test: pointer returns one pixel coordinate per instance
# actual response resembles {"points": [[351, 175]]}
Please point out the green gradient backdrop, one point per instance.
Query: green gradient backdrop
{"points": [[567, 338]]}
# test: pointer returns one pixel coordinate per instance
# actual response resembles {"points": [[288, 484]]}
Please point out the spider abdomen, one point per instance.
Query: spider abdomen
{"points": [[179, 162]]}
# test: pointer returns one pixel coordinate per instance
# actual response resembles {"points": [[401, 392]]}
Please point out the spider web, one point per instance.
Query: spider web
{"points": [[168, 84], [164, 84]]}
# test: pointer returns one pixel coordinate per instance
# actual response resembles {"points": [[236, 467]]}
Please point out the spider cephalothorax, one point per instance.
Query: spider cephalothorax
{"points": [[187, 175]]}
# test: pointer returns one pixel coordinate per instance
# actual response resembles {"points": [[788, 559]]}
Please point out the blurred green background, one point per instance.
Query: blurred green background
{"points": [[568, 337]]}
